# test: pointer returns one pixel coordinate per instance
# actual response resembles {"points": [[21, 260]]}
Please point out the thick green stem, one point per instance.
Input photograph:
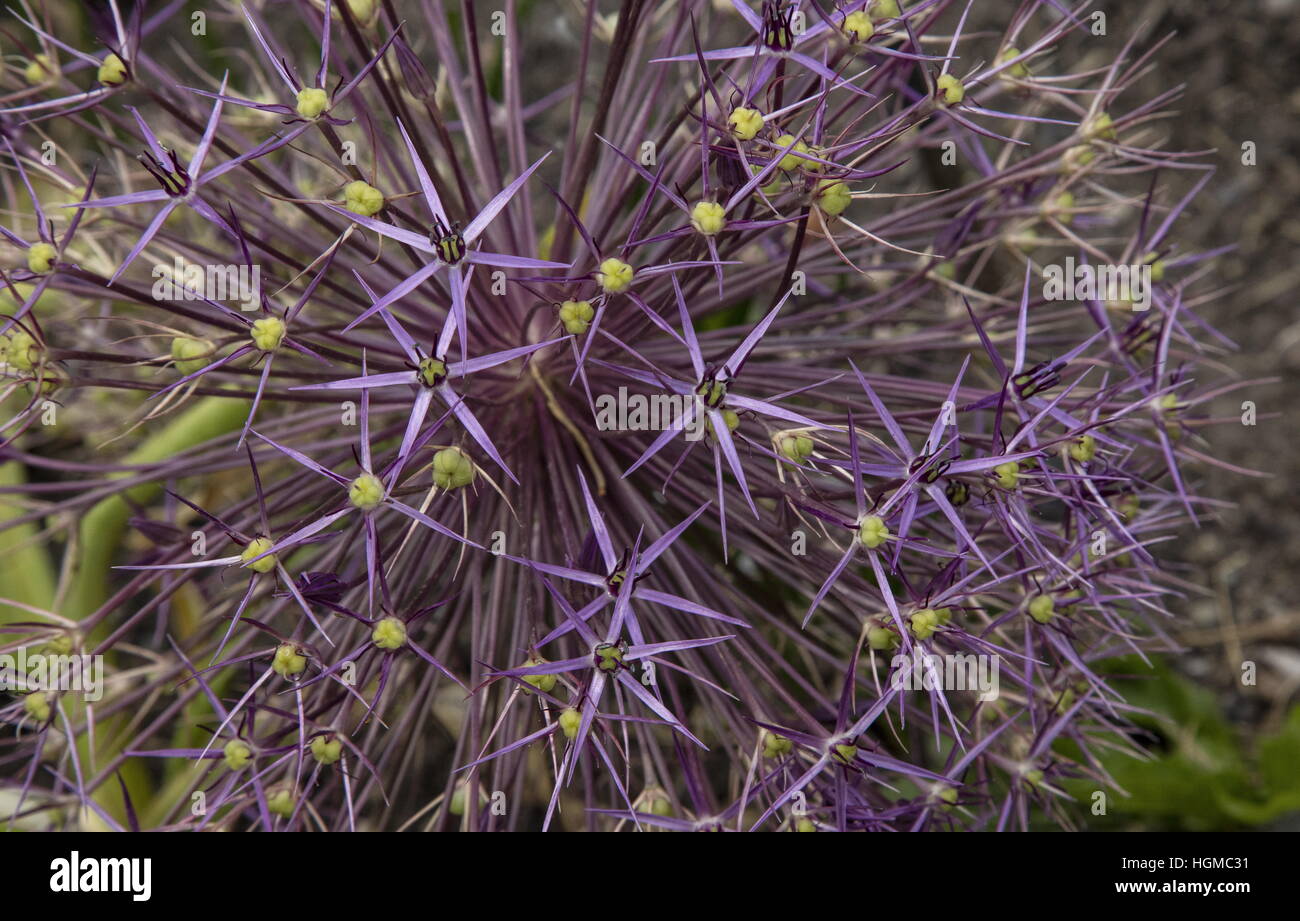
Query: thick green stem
{"points": [[101, 530]]}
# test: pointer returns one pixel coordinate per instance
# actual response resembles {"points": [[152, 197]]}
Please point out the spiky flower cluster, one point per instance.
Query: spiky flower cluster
{"points": [[337, 338]]}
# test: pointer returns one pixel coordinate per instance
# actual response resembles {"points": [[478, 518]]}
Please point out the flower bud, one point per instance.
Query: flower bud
{"points": [[1008, 474]]}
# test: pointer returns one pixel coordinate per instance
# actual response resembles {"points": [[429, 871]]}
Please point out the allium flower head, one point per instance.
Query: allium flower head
{"points": [[449, 422]]}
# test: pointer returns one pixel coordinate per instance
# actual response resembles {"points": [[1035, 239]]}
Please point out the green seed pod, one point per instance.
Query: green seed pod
{"points": [[452, 469], [796, 448], [1042, 608], [38, 70], [60, 645], [576, 316], [745, 123], [37, 706], [657, 802], [367, 492], [569, 721], [1077, 158], [857, 27], [924, 623], [873, 532], [1016, 71], [1060, 207], [41, 257], [793, 160], [804, 824], [281, 802], [776, 746], [833, 196], [543, 683], [615, 276], [237, 754], [844, 752], [708, 218], [389, 634], [950, 89], [609, 657], [312, 102], [267, 333], [1008, 474], [289, 661], [190, 355], [1127, 506], [21, 350], [1100, 127], [1083, 449], [112, 71], [256, 547], [362, 198], [326, 749], [882, 639]]}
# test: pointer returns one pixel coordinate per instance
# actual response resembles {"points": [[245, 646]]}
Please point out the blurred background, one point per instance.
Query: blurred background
{"points": [[1232, 756]]}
